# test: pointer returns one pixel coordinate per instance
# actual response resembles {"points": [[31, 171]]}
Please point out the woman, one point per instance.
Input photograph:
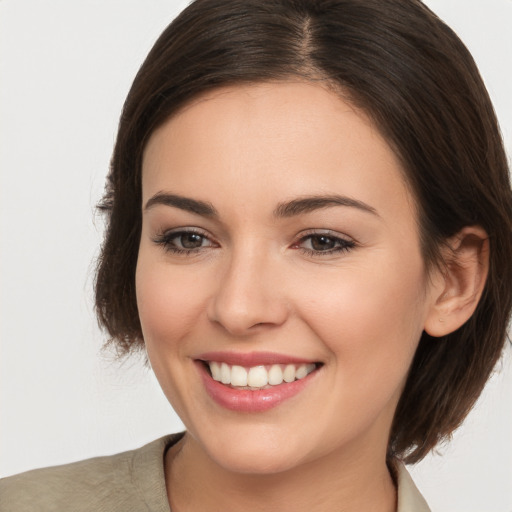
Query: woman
{"points": [[309, 232]]}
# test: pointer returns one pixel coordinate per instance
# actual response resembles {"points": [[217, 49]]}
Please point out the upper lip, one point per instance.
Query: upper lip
{"points": [[248, 359]]}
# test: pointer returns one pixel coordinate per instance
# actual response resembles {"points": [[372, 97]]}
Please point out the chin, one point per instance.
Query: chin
{"points": [[255, 463], [253, 453]]}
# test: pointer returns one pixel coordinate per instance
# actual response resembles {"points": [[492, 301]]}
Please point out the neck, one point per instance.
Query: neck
{"points": [[336, 482]]}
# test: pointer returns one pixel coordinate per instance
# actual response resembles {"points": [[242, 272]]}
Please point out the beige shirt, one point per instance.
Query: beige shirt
{"points": [[127, 482]]}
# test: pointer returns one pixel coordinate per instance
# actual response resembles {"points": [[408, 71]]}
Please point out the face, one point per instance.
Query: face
{"points": [[280, 284]]}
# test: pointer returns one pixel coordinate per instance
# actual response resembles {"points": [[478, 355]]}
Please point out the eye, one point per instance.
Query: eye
{"points": [[319, 244], [183, 241], [189, 240]]}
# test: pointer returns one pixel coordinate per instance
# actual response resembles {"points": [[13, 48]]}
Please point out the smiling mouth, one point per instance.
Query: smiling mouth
{"points": [[258, 377]]}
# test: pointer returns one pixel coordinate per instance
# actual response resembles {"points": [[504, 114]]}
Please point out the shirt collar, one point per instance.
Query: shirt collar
{"points": [[409, 497]]}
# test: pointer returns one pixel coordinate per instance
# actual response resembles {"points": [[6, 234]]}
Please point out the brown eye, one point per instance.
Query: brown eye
{"points": [[184, 241], [322, 243], [189, 240], [317, 244]]}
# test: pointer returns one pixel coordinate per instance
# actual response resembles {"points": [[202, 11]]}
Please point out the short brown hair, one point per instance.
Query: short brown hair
{"points": [[414, 77]]}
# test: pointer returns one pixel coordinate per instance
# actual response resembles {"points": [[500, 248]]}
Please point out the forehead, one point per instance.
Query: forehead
{"points": [[272, 140]]}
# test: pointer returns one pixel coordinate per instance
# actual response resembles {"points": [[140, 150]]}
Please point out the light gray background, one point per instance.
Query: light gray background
{"points": [[65, 68]]}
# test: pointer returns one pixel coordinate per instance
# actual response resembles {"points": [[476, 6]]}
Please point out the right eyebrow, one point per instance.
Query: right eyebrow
{"points": [[183, 203]]}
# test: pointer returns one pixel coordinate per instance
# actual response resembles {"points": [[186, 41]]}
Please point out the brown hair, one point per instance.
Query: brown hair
{"points": [[417, 81]]}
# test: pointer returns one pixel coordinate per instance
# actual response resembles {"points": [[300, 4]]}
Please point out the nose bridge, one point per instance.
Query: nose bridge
{"points": [[246, 295]]}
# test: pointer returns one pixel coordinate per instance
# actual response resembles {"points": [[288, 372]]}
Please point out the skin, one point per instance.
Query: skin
{"points": [[253, 286]]}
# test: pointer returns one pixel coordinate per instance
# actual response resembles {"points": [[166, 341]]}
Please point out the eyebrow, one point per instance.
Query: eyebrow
{"points": [[286, 209], [311, 203], [183, 203]]}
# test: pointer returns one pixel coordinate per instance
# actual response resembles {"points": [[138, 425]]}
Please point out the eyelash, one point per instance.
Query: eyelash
{"points": [[341, 244], [166, 240]]}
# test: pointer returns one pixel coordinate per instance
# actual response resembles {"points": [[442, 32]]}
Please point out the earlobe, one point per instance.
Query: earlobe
{"points": [[461, 281]]}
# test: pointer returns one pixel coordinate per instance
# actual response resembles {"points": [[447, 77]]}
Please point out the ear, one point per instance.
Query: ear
{"points": [[458, 286]]}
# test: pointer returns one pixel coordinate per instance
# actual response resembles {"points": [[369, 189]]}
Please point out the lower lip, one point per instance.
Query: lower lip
{"points": [[245, 400]]}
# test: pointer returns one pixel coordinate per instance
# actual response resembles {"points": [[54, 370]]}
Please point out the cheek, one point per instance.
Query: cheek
{"points": [[168, 303], [370, 318]]}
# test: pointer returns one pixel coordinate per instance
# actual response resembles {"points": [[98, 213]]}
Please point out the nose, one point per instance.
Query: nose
{"points": [[248, 295]]}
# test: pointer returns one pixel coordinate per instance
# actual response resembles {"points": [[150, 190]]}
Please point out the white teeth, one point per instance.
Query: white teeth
{"points": [[238, 376], [289, 373], [258, 376], [225, 374], [275, 375], [301, 372], [215, 369]]}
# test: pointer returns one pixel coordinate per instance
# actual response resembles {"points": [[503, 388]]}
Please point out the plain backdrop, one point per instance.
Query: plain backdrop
{"points": [[65, 68]]}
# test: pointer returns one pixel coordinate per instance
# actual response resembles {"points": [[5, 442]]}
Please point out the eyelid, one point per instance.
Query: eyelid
{"points": [[183, 229], [324, 232]]}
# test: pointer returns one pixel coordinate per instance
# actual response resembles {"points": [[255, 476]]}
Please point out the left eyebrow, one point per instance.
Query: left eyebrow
{"points": [[311, 203]]}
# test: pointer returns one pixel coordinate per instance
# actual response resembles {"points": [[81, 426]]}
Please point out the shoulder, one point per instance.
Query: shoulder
{"points": [[92, 481], [122, 482]]}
